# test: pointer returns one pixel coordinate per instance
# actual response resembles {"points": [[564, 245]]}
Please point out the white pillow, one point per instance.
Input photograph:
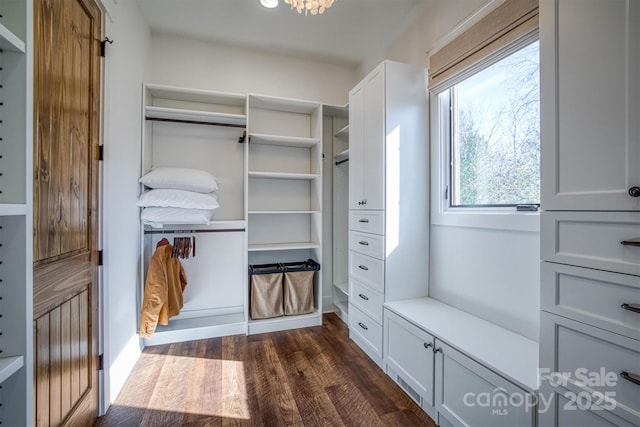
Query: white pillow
{"points": [[181, 179], [169, 198], [158, 216]]}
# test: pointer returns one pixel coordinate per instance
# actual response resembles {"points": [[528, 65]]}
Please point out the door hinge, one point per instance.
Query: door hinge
{"points": [[101, 152], [100, 257], [103, 46], [101, 362]]}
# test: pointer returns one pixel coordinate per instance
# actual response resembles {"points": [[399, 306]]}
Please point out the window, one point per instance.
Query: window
{"points": [[494, 134]]}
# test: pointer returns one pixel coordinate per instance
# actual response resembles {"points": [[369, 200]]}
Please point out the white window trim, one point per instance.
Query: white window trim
{"points": [[441, 213]]}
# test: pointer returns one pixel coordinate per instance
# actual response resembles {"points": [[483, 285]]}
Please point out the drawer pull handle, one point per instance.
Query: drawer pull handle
{"points": [[630, 377], [364, 220], [631, 307], [363, 267], [437, 350], [634, 191], [363, 243], [363, 326], [428, 345], [364, 297], [631, 242]]}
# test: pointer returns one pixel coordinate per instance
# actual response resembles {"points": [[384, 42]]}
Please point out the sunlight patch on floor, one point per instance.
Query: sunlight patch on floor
{"points": [[208, 387]]}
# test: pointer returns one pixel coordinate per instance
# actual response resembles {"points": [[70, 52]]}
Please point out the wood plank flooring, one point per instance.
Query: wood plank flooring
{"points": [[303, 377]]}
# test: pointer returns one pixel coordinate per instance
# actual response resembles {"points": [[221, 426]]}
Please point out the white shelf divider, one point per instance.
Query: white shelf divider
{"points": [[9, 41], [342, 287], [343, 155], [9, 366]]}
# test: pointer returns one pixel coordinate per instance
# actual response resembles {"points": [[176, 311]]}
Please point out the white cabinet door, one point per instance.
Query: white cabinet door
{"points": [[374, 138], [408, 351], [468, 394], [590, 104], [356, 146]]}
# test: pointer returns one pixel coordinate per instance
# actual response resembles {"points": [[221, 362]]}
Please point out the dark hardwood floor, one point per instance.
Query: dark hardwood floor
{"points": [[303, 377]]}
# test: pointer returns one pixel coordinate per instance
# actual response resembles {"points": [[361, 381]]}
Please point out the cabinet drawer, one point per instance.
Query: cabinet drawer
{"points": [[559, 407], [366, 329], [367, 270], [591, 360], [367, 244], [367, 300], [592, 296], [592, 239], [408, 351], [367, 221], [468, 394]]}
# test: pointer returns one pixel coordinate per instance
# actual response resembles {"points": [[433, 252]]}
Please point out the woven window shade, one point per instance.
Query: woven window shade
{"points": [[511, 25]]}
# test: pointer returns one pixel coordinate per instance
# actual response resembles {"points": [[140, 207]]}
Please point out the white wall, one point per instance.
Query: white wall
{"points": [[197, 64], [125, 63], [493, 274]]}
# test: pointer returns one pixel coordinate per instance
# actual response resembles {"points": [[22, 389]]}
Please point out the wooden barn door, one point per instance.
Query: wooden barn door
{"points": [[65, 210]]}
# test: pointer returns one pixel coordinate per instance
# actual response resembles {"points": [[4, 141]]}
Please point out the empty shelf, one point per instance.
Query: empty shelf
{"points": [[182, 115], [342, 287], [285, 141], [9, 366], [282, 212], [341, 156], [262, 247], [284, 175], [343, 133], [9, 41]]}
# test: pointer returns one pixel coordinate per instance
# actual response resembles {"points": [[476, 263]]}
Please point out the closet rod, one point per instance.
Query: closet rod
{"points": [[223, 230], [341, 162], [195, 122]]}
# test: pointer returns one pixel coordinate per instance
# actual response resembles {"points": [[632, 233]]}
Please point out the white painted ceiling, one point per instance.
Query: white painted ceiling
{"points": [[347, 33]]}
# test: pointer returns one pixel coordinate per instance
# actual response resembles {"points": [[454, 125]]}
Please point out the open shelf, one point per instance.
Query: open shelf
{"points": [[342, 309], [341, 156], [282, 246], [197, 116], [343, 133], [9, 41], [198, 328], [282, 104], [284, 322], [213, 225], [284, 141], [12, 209], [342, 287], [284, 175], [9, 366], [282, 212]]}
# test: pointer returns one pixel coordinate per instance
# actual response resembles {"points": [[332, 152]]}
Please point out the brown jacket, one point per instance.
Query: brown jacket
{"points": [[162, 290]]}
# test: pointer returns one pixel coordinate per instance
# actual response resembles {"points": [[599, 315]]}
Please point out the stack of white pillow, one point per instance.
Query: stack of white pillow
{"points": [[178, 196]]}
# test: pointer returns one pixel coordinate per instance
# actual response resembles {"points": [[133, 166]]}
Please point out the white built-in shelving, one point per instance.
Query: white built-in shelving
{"points": [[16, 253], [284, 193], [206, 130], [339, 139]]}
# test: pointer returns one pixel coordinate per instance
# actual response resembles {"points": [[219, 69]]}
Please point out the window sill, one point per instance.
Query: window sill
{"points": [[497, 219]]}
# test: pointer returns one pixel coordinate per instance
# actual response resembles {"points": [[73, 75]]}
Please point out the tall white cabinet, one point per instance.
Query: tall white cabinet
{"points": [[16, 231], [590, 290], [388, 197]]}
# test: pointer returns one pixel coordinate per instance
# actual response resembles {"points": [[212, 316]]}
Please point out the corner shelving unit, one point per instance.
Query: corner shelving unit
{"points": [[204, 130], [16, 229], [284, 193], [340, 141]]}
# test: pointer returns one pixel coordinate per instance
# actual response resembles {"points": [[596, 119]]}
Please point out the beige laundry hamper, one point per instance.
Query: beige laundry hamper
{"points": [[298, 287], [266, 299]]}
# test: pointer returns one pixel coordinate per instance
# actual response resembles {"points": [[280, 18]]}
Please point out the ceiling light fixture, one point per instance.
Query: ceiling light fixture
{"points": [[269, 3], [310, 6]]}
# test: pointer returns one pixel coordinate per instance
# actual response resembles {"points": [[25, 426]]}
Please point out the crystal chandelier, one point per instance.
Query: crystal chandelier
{"points": [[310, 6]]}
